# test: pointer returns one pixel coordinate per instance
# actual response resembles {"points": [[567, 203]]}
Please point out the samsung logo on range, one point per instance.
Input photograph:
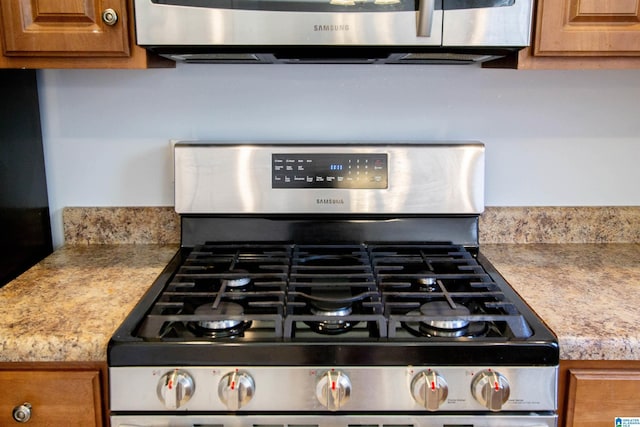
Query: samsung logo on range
{"points": [[344, 27], [329, 201]]}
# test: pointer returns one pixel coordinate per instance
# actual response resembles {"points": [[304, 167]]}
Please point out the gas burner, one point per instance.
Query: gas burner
{"points": [[335, 311], [457, 315], [455, 323], [237, 284], [219, 326], [331, 327], [427, 282], [473, 330], [240, 282], [330, 309]]}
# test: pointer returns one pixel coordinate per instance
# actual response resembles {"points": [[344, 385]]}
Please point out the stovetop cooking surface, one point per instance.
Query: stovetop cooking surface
{"points": [[366, 303]]}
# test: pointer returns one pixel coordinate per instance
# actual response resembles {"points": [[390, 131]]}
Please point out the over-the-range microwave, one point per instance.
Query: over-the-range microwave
{"points": [[302, 31]]}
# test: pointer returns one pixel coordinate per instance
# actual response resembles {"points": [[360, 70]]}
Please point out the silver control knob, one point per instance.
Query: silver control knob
{"points": [[490, 389], [333, 390], [22, 413], [429, 389], [236, 389], [175, 388]]}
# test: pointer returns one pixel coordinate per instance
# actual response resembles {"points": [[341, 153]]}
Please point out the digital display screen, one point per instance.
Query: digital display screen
{"points": [[356, 171]]}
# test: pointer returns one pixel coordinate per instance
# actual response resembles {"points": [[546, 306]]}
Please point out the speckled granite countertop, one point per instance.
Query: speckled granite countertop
{"points": [[589, 294], [67, 307]]}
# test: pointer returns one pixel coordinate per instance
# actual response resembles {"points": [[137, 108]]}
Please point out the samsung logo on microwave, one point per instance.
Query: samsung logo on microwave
{"points": [[329, 201], [334, 28]]}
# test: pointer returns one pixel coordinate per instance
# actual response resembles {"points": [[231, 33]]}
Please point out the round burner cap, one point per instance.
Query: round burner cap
{"points": [[331, 311], [438, 309], [427, 280], [224, 309], [237, 282]]}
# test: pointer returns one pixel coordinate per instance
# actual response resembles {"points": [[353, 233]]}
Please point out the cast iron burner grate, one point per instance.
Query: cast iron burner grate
{"points": [[368, 292], [440, 291], [333, 292], [249, 278]]}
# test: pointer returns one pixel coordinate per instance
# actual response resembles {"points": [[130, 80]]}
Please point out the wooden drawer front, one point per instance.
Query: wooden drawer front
{"points": [[57, 398], [588, 27], [63, 28], [597, 396]]}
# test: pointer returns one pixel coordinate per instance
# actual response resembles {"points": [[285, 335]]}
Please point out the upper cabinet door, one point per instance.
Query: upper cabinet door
{"points": [[65, 28], [588, 28]]}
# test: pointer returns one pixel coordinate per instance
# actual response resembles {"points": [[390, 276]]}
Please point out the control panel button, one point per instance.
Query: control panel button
{"points": [[330, 170]]}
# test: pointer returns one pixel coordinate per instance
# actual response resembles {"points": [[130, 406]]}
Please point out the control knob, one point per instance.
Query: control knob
{"points": [[175, 388], [429, 389], [490, 389], [236, 389], [333, 389]]}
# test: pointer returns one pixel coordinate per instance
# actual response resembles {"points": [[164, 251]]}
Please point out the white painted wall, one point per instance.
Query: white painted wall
{"points": [[552, 137]]}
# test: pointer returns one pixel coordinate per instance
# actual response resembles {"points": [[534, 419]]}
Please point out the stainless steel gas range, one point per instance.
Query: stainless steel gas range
{"points": [[331, 285]]}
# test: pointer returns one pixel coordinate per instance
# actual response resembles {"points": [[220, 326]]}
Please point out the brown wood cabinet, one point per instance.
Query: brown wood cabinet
{"points": [[587, 28], [58, 394], [594, 393], [71, 34], [64, 28], [574, 34]]}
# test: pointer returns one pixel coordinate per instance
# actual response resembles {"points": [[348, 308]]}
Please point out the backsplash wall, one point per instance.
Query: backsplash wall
{"points": [[553, 138]]}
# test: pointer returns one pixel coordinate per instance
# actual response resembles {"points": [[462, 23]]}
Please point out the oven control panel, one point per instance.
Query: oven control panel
{"points": [[317, 178], [326, 170]]}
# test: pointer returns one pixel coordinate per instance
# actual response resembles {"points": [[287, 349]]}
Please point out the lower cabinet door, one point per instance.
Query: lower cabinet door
{"points": [[50, 398], [598, 396]]}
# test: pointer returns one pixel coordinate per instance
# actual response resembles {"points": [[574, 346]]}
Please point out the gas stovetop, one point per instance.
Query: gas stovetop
{"points": [[274, 292], [342, 297]]}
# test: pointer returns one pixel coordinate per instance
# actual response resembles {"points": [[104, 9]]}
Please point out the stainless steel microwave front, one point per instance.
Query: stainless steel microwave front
{"points": [[214, 24]]}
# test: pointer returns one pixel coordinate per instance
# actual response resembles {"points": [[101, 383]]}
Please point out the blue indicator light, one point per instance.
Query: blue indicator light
{"points": [[335, 167]]}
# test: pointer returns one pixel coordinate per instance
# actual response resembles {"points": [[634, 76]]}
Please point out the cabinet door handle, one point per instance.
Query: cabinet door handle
{"points": [[109, 16], [22, 413]]}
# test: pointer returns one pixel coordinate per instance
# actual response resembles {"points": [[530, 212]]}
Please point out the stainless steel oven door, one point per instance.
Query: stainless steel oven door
{"points": [[489, 420]]}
